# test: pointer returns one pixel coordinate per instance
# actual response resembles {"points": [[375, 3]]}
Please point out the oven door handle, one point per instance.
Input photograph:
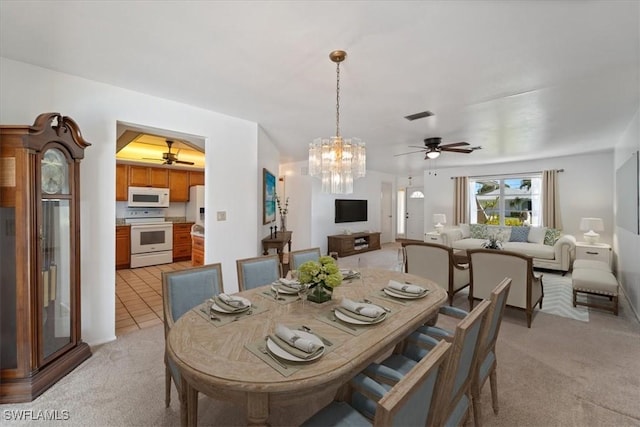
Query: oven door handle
{"points": [[147, 226]]}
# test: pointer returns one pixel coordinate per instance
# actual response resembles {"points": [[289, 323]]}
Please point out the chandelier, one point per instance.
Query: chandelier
{"points": [[337, 161]]}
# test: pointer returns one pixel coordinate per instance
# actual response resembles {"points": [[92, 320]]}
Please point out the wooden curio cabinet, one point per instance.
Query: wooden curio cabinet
{"points": [[39, 255]]}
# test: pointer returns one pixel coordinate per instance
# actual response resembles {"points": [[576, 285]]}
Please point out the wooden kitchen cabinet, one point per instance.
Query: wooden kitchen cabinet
{"points": [[197, 251], [147, 176], [123, 246], [196, 178], [122, 183], [182, 241], [178, 185], [40, 308]]}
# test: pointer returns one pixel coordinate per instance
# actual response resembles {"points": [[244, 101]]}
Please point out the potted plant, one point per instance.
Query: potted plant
{"points": [[492, 243], [322, 275]]}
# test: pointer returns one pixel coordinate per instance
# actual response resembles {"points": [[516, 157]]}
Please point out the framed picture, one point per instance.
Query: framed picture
{"points": [[268, 197]]}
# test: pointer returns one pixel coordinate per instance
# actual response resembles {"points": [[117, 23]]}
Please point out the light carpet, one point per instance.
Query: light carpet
{"points": [[556, 373]]}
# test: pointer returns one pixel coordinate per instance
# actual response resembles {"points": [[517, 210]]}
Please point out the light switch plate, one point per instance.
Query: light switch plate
{"points": [[221, 215]]}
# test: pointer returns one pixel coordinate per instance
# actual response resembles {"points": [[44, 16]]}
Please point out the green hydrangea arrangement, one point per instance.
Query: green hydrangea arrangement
{"points": [[324, 271]]}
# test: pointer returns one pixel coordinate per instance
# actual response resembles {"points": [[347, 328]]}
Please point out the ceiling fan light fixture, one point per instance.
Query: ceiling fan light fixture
{"points": [[433, 154], [337, 161]]}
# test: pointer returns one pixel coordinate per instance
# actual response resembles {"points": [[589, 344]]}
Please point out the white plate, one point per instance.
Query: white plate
{"points": [[347, 272], [398, 295], [284, 290], [282, 353], [219, 309], [348, 319]]}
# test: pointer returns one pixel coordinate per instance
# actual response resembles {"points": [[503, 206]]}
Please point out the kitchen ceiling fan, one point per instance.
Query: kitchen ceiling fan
{"points": [[433, 147], [169, 158]]}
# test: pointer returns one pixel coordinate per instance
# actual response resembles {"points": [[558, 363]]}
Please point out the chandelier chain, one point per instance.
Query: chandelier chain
{"points": [[338, 99]]}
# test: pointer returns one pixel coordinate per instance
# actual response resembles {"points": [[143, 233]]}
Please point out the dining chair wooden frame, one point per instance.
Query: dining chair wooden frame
{"points": [[297, 258], [270, 276], [394, 405], [422, 257], [489, 266], [200, 276]]}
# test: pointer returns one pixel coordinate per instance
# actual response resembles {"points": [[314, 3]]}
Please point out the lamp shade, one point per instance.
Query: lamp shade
{"points": [[439, 219], [591, 224]]}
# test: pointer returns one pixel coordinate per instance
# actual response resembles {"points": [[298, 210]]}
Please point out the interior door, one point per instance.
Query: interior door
{"points": [[386, 216], [415, 213]]}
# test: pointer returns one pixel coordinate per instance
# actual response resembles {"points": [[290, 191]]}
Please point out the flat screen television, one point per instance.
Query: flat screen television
{"points": [[350, 210]]}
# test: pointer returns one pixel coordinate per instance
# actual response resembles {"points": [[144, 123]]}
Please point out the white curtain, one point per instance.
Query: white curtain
{"points": [[550, 200], [461, 200]]}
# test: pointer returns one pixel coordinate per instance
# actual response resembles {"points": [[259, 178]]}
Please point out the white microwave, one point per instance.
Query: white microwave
{"points": [[148, 197]]}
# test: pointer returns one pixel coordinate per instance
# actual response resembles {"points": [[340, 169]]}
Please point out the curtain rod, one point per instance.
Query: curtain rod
{"points": [[506, 174]]}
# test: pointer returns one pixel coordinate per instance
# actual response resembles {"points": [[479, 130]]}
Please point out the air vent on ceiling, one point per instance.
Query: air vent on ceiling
{"points": [[417, 116]]}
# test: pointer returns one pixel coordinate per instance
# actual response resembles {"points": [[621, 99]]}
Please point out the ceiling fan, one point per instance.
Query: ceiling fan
{"points": [[169, 158], [433, 147]]}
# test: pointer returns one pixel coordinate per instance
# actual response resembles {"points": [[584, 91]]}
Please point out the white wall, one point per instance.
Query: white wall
{"points": [[585, 188], [268, 158], [313, 211], [627, 244], [231, 153]]}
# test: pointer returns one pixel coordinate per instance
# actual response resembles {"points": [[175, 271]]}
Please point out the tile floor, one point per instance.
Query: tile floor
{"points": [[139, 296]]}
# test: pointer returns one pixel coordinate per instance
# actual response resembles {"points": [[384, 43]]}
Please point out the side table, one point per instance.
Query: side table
{"points": [[433, 237], [277, 242], [594, 252]]}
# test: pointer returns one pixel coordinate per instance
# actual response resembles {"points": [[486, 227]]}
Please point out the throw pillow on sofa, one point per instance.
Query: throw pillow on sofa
{"points": [[466, 231], [536, 235], [502, 234], [478, 231], [519, 234], [551, 236]]}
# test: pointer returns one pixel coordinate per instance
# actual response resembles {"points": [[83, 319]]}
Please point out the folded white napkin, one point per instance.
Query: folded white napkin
{"points": [[290, 283], [412, 289], [368, 310], [293, 339], [232, 301]]}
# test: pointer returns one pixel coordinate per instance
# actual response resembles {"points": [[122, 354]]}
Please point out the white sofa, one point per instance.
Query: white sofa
{"points": [[557, 254]]}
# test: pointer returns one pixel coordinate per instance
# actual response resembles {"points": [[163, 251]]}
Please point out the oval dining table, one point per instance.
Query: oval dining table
{"points": [[215, 359]]}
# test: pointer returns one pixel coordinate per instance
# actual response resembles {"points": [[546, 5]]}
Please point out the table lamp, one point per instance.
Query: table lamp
{"points": [[591, 225], [439, 220]]}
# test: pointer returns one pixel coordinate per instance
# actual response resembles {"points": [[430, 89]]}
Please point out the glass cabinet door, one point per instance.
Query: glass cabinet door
{"points": [[55, 252]]}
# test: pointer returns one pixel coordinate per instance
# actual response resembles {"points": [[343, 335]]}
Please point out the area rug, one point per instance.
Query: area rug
{"points": [[558, 298]]}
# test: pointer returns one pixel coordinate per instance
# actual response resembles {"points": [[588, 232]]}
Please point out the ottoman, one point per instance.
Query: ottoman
{"points": [[595, 278]]}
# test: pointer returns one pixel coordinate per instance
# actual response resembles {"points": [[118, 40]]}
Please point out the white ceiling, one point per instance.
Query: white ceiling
{"points": [[523, 79]]}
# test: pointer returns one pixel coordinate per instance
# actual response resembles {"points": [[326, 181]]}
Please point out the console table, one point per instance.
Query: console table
{"points": [[350, 244], [277, 242]]}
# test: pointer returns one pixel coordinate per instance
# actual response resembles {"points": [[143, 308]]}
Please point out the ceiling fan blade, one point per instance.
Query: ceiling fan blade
{"points": [[455, 144], [457, 150], [184, 162], [149, 158], [417, 146], [411, 152]]}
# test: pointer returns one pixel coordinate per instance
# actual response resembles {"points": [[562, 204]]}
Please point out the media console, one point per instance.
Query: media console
{"points": [[351, 244]]}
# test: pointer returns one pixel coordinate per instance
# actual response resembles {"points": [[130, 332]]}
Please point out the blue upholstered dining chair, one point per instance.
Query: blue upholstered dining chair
{"points": [[455, 404], [413, 401], [297, 258], [181, 291], [486, 368], [258, 271]]}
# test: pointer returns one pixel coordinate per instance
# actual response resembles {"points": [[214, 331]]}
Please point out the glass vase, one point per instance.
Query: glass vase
{"points": [[321, 293], [283, 222]]}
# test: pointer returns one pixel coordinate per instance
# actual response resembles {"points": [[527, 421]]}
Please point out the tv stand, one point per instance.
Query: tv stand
{"points": [[351, 244]]}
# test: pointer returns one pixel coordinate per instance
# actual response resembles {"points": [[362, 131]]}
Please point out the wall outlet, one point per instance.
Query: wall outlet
{"points": [[221, 215]]}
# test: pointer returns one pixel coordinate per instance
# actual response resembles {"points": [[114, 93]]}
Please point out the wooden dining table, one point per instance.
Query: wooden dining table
{"points": [[220, 358]]}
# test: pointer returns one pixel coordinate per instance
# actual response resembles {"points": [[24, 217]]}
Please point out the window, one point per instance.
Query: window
{"points": [[511, 200], [402, 210]]}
